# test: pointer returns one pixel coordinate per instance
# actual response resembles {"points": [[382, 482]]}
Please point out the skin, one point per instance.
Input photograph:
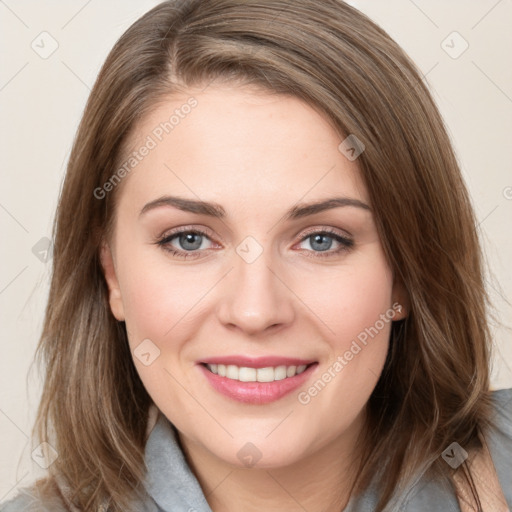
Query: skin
{"points": [[256, 154]]}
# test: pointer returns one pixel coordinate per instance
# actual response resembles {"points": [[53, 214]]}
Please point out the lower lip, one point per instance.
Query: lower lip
{"points": [[256, 392]]}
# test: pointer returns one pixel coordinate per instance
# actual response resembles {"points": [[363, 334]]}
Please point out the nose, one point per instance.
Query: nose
{"points": [[255, 297]]}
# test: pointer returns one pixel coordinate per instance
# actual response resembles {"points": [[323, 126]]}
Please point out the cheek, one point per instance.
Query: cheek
{"points": [[158, 296], [159, 310], [351, 298], [149, 311], [355, 308]]}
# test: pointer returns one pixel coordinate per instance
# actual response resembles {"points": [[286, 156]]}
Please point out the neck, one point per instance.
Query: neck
{"points": [[318, 482]]}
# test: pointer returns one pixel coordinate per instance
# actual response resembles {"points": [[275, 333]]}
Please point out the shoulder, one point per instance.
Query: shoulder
{"points": [[502, 399], [499, 439], [440, 493], [40, 497], [500, 432]]}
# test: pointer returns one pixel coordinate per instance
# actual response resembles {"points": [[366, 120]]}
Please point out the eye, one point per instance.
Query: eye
{"points": [[322, 241], [184, 243]]}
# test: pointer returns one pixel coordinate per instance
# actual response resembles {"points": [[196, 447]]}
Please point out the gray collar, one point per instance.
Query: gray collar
{"points": [[170, 481], [174, 488]]}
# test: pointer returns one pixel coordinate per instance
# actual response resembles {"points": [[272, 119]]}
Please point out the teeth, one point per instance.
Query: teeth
{"points": [[245, 374], [265, 374], [232, 372], [280, 373], [290, 371]]}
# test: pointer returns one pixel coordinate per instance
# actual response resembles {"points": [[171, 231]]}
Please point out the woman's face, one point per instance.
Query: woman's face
{"points": [[220, 256]]}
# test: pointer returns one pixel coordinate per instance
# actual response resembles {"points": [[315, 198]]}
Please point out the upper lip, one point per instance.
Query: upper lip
{"points": [[257, 362]]}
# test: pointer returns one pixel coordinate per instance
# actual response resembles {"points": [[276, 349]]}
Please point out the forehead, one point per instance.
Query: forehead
{"points": [[238, 144]]}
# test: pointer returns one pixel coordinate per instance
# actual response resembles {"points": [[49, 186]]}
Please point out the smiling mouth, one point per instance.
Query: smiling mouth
{"points": [[248, 374], [257, 381]]}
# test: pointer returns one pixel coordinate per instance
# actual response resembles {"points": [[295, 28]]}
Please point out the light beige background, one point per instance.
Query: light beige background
{"points": [[42, 99]]}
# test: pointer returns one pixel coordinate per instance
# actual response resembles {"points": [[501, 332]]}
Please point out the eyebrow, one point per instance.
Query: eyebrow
{"points": [[217, 211]]}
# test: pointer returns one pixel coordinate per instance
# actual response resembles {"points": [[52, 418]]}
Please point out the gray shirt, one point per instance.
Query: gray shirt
{"points": [[172, 487]]}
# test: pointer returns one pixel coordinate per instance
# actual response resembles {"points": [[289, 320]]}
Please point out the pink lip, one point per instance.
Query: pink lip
{"points": [[257, 362], [256, 392]]}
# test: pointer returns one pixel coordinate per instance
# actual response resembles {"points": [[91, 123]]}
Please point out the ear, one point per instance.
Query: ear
{"points": [[400, 300], [114, 292]]}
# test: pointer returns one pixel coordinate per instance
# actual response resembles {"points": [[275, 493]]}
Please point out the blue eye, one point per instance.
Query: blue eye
{"points": [[322, 241], [190, 243]]}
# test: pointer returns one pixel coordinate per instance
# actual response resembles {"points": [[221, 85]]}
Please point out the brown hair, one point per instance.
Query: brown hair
{"points": [[435, 385]]}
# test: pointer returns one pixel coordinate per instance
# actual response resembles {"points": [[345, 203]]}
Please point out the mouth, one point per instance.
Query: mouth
{"points": [[248, 374], [256, 381]]}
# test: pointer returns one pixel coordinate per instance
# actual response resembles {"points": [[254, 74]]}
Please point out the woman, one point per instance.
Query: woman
{"points": [[267, 289]]}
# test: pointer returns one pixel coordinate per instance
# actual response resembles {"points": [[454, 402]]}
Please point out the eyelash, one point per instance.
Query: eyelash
{"points": [[345, 242]]}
